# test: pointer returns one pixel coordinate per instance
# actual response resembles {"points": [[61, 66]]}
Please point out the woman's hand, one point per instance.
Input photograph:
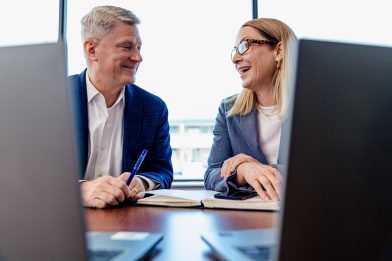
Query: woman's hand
{"points": [[265, 179], [232, 163]]}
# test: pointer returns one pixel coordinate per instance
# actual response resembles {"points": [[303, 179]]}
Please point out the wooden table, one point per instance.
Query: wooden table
{"points": [[181, 227]]}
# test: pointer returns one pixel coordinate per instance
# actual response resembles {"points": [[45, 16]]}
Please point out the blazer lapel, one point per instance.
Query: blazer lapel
{"points": [[248, 126], [133, 123], [78, 94]]}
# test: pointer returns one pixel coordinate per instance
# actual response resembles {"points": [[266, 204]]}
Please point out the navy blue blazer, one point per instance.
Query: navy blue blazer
{"points": [[232, 135], [145, 127]]}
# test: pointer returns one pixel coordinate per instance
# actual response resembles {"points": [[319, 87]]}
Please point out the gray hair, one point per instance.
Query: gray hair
{"points": [[101, 20]]}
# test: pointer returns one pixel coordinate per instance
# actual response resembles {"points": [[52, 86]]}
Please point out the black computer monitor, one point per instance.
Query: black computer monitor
{"points": [[339, 184]]}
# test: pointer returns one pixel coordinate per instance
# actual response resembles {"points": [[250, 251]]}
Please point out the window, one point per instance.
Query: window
{"points": [[366, 22], [28, 22], [186, 51]]}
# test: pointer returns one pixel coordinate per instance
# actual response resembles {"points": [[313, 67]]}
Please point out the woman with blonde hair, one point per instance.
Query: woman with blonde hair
{"points": [[248, 126]]}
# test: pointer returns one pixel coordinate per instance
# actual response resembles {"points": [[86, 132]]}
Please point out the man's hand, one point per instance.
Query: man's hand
{"points": [[104, 191], [136, 186]]}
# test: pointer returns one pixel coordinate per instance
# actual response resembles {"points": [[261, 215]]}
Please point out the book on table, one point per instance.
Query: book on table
{"points": [[203, 198]]}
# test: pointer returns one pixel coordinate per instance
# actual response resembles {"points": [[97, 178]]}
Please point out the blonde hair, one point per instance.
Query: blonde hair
{"points": [[101, 20], [276, 31]]}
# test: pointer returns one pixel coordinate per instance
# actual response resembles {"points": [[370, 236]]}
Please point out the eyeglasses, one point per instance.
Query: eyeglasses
{"points": [[243, 46]]}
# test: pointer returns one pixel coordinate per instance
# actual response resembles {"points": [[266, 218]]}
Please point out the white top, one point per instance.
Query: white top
{"points": [[269, 130], [105, 136]]}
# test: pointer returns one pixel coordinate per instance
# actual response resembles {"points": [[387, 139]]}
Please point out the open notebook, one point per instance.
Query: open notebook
{"points": [[203, 198]]}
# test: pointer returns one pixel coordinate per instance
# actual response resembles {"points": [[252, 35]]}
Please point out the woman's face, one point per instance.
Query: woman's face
{"points": [[258, 64]]}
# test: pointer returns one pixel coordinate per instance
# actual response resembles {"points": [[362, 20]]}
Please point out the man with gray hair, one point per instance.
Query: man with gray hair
{"points": [[117, 120]]}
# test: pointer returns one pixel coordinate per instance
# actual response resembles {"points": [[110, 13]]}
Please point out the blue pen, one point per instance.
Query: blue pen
{"points": [[137, 165]]}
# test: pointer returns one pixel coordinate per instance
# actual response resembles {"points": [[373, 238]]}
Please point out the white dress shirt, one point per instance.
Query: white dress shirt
{"points": [[105, 136]]}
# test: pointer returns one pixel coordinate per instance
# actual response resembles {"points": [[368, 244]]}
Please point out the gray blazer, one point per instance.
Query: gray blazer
{"points": [[232, 135]]}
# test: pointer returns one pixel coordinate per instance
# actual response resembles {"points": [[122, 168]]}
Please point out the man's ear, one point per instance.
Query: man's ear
{"points": [[89, 46]]}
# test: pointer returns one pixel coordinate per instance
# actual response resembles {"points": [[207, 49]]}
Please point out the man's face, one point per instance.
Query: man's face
{"points": [[118, 56]]}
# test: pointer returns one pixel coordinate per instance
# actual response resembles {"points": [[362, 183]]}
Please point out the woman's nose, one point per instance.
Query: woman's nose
{"points": [[235, 57]]}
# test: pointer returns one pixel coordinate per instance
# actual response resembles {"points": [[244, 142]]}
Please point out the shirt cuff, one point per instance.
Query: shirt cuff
{"points": [[152, 184]]}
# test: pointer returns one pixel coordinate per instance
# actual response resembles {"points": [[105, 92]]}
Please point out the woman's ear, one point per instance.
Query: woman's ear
{"points": [[279, 52], [89, 46]]}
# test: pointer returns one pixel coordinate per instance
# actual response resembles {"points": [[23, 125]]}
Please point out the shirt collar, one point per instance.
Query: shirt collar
{"points": [[91, 90], [120, 97]]}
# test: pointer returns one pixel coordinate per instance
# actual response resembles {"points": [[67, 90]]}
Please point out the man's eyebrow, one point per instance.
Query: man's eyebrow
{"points": [[138, 42], [126, 42]]}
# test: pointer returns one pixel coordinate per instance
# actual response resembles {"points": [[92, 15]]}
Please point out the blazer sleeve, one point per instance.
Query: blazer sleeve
{"points": [[220, 151], [159, 166]]}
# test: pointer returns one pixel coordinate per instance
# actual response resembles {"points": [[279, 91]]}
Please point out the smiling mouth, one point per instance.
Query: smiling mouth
{"points": [[133, 68], [243, 70]]}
